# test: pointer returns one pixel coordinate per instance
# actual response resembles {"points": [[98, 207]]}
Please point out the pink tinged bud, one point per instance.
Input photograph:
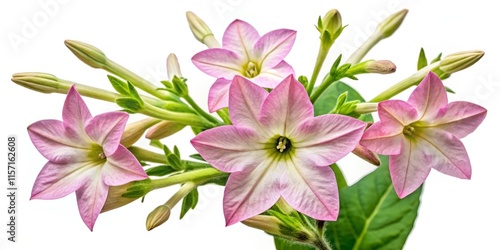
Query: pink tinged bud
{"points": [[380, 67], [163, 129], [366, 154], [173, 68], [201, 31], [134, 131], [87, 53], [266, 223], [459, 61], [157, 217]]}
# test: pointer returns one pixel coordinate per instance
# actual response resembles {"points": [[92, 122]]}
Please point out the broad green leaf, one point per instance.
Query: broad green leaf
{"points": [[119, 85], [160, 170], [282, 244], [129, 104], [371, 215], [328, 99]]}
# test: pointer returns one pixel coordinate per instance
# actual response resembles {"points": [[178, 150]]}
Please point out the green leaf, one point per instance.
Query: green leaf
{"points": [[422, 60], [119, 85], [197, 157], [134, 94], [160, 170], [129, 104], [328, 99], [282, 244], [341, 182], [437, 59], [449, 90], [371, 215], [189, 202]]}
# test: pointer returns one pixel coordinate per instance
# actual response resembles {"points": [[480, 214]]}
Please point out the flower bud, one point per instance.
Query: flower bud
{"points": [[459, 61], [389, 25], [157, 217], [201, 31], [268, 224], [373, 66], [330, 27], [173, 68], [134, 131], [163, 129], [367, 155], [41, 82], [87, 53]]}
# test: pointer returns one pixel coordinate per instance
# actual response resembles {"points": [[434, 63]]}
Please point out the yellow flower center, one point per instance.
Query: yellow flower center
{"points": [[283, 142], [251, 70]]}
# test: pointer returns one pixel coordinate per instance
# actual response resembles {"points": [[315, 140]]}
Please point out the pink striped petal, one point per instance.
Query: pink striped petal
{"points": [[396, 114], [231, 148], [220, 63], [310, 190], [57, 180], [286, 107], [270, 78], [460, 119], [410, 168], [106, 130], [446, 153], [383, 139], [75, 112], [273, 47], [325, 139], [218, 95], [245, 102], [240, 38], [250, 193], [429, 97], [57, 143], [122, 167], [91, 197]]}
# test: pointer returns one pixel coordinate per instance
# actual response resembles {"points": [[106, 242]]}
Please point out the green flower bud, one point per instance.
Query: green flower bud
{"points": [[330, 27], [459, 61], [134, 131], [201, 31], [387, 27], [157, 217], [164, 129], [41, 82], [87, 53]]}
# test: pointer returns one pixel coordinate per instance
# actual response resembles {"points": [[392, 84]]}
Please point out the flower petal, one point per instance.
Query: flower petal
{"points": [[460, 119], [230, 148], [250, 193], [383, 139], [273, 47], [325, 139], [446, 152], [57, 180], [429, 97], [91, 197], [396, 114], [122, 167], [310, 190], [240, 38], [75, 112], [245, 102], [220, 63], [218, 95], [286, 107], [410, 168], [270, 78], [57, 143], [106, 130]]}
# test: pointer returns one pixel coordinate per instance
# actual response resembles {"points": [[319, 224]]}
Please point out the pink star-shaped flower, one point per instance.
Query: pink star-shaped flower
{"points": [[245, 53], [85, 156], [423, 133], [277, 148]]}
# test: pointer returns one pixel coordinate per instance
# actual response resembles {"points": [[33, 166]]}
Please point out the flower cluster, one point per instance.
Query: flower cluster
{"points": [[275, 142]]}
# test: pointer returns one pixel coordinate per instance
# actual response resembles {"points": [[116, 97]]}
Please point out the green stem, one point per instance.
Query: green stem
{"points": [[200, 111], [320, 59], [399, 87], [321, 88], [182, 118], [201, 175], [361, 52], [224, 115], [366, 108], [137, 81], [181, 193]]}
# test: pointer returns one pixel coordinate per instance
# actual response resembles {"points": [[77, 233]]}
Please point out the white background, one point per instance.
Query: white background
{"points": [[454, 214]]}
